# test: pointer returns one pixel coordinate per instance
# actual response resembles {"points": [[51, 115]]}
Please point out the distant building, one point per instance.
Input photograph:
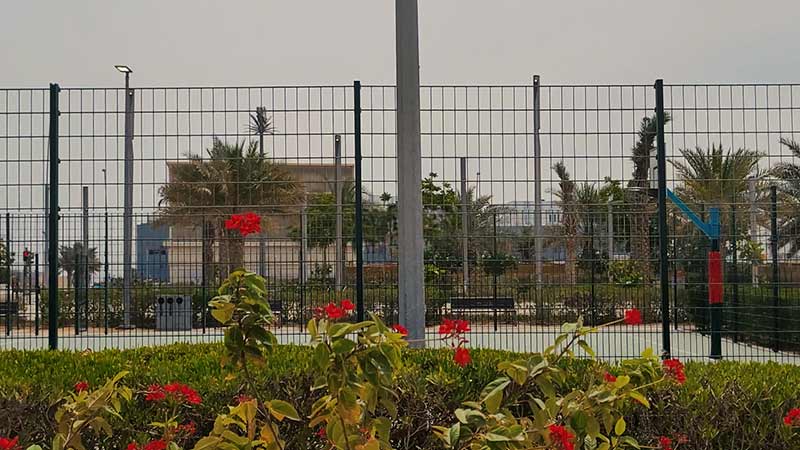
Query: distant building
{"points": [[523, 214], [152, 256]]}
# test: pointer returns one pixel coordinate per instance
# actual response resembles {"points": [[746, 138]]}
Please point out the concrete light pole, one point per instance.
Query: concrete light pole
{"points": [[409, 172], [127, 212]]}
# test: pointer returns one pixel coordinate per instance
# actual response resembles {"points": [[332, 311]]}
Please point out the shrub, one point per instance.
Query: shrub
{"points": [[722, 406]]}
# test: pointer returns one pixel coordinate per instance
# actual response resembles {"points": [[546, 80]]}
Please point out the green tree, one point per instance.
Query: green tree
{"points": [[6, 259], [72, 260], [789, 174], [233, 178], [442, 223]]}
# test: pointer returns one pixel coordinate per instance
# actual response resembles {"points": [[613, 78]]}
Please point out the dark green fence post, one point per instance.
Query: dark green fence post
{"points": [[52, 218], [105, 277], [358, 238], [773, 193], [662, 219]]}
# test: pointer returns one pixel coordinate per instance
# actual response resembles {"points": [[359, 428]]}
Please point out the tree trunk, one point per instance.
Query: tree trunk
{"points": [[208, 253], [231, 252]]}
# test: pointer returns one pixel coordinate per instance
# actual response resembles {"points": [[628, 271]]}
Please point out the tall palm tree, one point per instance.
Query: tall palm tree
{"points": [[716, 178], [204, 192], [789, 174], [567, 201], [71, 259], [639, 202]]}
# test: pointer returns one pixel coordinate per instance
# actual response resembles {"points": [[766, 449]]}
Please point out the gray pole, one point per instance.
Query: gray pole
{"points": [[751, 184], [127, 230], [537, 180], [465, 225], [339, 264], [45, 266], [261, 121], [610, 236], [409, 173]]}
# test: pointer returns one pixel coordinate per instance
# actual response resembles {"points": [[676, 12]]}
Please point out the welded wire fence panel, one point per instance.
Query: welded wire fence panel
{"points": [[23, 259], [539, 209], [728, 146]]}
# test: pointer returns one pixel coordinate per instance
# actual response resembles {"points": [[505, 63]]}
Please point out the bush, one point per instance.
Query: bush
{"points": [[722, 406]]}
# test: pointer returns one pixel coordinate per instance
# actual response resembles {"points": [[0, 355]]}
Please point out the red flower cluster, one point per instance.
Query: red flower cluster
{"points": [[449, 327], [665, 443], [246, 223], [81, 386], [792, 418], [9, 444], [633, 317], [158, 444], [609, 378], [461, 356], [397, 328], [561, 437], [454, 330], [175, 391], [334, 311], [189, 428], [674, 369]]}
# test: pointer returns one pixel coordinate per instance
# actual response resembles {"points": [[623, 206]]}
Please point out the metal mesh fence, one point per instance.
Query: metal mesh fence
{"points": [[515, 253]]}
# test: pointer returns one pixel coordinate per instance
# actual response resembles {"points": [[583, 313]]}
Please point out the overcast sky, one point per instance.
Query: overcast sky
{"points": [[264, 42]]}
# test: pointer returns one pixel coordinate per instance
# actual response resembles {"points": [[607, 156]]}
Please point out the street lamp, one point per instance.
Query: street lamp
{"points": [[127, 214]]}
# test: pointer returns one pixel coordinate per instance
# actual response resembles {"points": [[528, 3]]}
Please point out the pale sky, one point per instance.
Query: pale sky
{"points": [[267, 42]]}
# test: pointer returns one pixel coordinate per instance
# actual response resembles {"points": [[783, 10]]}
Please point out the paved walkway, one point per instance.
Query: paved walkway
{"points": [[611, 343]]}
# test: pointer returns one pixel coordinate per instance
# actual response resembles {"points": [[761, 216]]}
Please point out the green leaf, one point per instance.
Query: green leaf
{"points": [[281, 409], [343, 346], [592, 426], [586, 348], [619, 427], [622, 381], [493, 394], [223, 312], [455, 434], [640, 398]]}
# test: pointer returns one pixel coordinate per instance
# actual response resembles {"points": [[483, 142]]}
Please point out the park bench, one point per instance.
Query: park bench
{"points": [[493, 304]]}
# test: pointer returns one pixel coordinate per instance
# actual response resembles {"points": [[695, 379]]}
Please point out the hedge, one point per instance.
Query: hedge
{"points": [[722, 406]]}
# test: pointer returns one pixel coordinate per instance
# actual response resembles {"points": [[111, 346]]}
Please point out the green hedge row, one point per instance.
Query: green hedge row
{"points": [[722, 406]]}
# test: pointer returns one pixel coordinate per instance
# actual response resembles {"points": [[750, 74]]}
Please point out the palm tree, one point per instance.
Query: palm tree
{"points": [[567, 201], [713, 178], [71, 260], [789, 174], [204, 192], [639, 202]]}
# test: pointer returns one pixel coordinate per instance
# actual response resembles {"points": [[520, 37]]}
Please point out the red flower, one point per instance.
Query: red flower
{"points": [[562, 437], [158, 444], [132, 446], [665, 443], [674, 369], [176, 391], [609, 378], [792, 418], [447, 326], [633, 317], [246, 223], [189, 428], [461, 326], [347, 305], [461, 357], [9, 444], [334, 312], [81, 386], [155, 393], [322, 433], [397, 328]]}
